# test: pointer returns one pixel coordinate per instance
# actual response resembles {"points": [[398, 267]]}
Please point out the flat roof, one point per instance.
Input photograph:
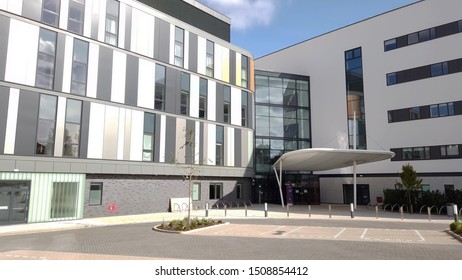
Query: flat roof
{"points": [[319, 159]]}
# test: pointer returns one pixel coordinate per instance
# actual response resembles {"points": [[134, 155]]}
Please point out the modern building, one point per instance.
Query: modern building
{"points": [[398, 75], [105, 104]]}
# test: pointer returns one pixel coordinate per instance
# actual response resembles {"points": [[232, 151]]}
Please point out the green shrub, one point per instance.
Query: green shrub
{"points": [[456, 226], [182, 225]]}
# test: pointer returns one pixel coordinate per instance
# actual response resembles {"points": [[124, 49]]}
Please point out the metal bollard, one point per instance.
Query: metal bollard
{"points": [[246, 210], [429, 213], [226, 211], [330, 211], [288, 210], [309, 211], [456, 214], [207, 209], [401, 211], [266, 210], [352, 210], [377, 212]]}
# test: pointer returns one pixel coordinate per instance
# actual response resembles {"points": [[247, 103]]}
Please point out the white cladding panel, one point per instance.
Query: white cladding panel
{"points": [[211, 100], [92, 78], [68, 55], [146, 83], [96, 131], [211, 144], [236, 104], [201, 55], [136, 140], [11, 121], [119, 65], [142, 33], [194, 97]]}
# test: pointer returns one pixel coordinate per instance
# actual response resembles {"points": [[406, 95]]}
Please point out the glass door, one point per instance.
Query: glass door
{"points": [[14, 202]]}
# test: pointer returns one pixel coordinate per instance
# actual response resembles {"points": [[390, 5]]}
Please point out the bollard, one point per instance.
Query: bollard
{"points": [[288, 210], [207, 209], [226, 211], [429, 213], [330, 211], [309, 211], [266, 210], [246, 210], [456, 214], [352, 210], [401, 211], [377, 212]]}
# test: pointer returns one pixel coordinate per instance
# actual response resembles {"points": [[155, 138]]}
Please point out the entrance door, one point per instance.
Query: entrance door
{"points": [[14, 202], [362, 195]]}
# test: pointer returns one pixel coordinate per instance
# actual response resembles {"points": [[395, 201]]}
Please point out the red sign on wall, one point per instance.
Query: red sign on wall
{"points": [[111, 208]]}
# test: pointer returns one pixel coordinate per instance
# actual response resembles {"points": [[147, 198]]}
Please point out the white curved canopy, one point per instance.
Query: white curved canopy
{"points": [[319, 159]]}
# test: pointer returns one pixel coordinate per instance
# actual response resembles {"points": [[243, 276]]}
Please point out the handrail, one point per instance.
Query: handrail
{"points": [[393, 208], [442, 207], [179, 208], [420, 211], [385, 208], [436, 207]]}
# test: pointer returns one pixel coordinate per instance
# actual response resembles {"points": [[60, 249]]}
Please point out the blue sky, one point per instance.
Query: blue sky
{"points": [[264, 26]]}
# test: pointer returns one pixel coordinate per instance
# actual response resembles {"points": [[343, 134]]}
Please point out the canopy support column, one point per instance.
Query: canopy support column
{"points": [[279, 179]]}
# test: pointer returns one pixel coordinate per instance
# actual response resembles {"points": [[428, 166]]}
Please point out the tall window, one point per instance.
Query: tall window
{"points": [[50, 12], [64, 200], [450, 151], [244, 70], [96, 194], [196, 191], [244, 112], [209, 59], [79, 67], [239, 191], [112, 22], [76, 16], [203, 89], [184, 104], [216, 191], [179, 46], [227, 104], [148, 137], [46, 59], [72, 128], [159, 103], [46, 125], [219, 146]]}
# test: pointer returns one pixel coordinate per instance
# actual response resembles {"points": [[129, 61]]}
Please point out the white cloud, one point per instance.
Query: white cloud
{"points": [[245, 14]]}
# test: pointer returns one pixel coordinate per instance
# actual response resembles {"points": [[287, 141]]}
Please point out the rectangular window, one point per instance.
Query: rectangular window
{"points": [[244, 112], [203, 90], [96, 194], [72, 128], [219, 146], [414, 113], [76, 16], [239, 191], [390, 45], [460, 25], [196, 191], [112, 22], [450, 151], [185, 86], [216, 191], [391, 79], [439, 69], [148, 137], [434, 112], [159, 103], [179, 47], [46, 125], [424, 35], [227, 104], [64, 200], [79, 67], [244, 70], [46, 59], [425, 187], [210, 56], [412, 38], [448, 188], [50, 12]]}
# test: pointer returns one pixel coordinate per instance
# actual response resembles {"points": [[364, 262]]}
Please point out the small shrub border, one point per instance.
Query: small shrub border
{"points": [[182, 225], [456, 227]]}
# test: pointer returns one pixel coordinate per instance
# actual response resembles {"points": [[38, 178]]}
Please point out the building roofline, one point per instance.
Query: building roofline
{"points": [[209, 10], [340, 28]]}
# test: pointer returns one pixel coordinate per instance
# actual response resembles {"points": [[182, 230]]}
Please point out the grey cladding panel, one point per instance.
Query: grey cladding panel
{"points": [[4, 33], [26, 129], [131, 81], [237, 148], [85, 125], [104, 74], [162, 40], [172, 99], [4, 99], [190, 128], [232, 67], [128, 27], [193, 48], [170, 139], [58, 84], [32, 9], [157, 139], [220, 101]]}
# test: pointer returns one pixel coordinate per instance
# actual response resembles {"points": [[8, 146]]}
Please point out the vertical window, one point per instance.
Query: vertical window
{"points": [[46, 59], [209, 64], [196, 191], [227, 104], [148, 137], [216, 191], [450, 151], [434, 113], [412, 38], [50, 12], [72, 128], [159, 103], [244, 112], [46, 125], [239, 191], [184, 104], [112, 22], [439, 69], [244, 70], [460, 25], [219, 146], [390, 45], [391, 79], [414, 113], [76, 16], [96, 194], [203, 90], [79, 67], [64, 200], [179, 47]]}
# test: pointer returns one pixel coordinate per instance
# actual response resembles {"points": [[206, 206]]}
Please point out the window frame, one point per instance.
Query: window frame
{"points": [[150, 133], [112, 18], [100, 185], [210, 57], [215, 191], [227, 104], [160, 88], [51, 57], [55, 14], [67, 122], [45, 120], [178, 60], [244, 71], [83, 65], [219, 146], [185, 94], [80, 4], [239, 191], [203, 94], [196, 184]]}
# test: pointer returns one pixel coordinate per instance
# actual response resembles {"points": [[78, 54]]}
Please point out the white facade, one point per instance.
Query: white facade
{"points": [[323, 59]]}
